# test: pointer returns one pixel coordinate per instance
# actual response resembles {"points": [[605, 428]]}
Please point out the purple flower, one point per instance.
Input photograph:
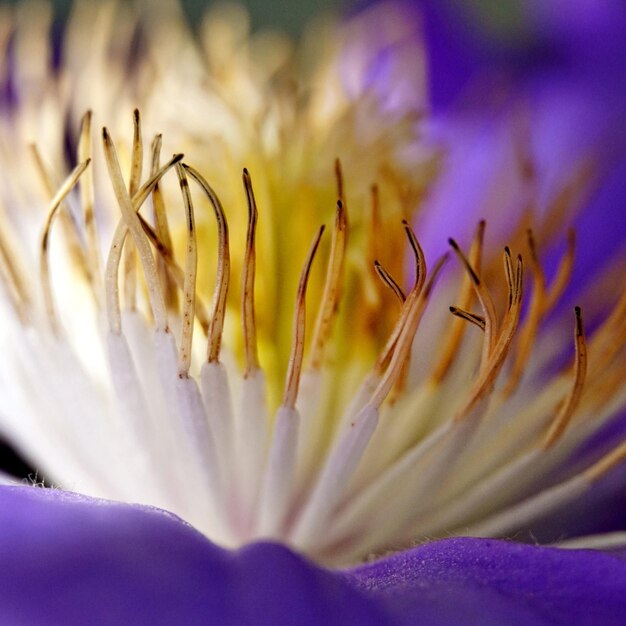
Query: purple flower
{"points": [[427, 400]]}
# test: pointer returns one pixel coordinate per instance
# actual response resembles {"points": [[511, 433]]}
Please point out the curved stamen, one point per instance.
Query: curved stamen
{"points": [[69, 225], [492, 366], [464, 298], [334, 278], [416, 304], [294, 369], [115, 251], [486, 302], [162, 230], [420, 277], [191, 267], [558, 426], [44, 265], [134, 226], [129, 263], [86, 190], [218, 309], [247, 282]]}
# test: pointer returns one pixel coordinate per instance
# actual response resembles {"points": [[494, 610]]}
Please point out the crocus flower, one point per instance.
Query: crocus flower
{"points": [[340, 402]]}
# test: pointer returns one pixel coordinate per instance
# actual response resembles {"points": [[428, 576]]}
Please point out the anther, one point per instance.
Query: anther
{"points": [[477, 320], [389, 281]]}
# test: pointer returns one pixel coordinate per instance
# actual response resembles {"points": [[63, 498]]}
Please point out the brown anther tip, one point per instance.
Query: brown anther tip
{"points": [[136, 114], [245, 171], [519, 258], [177, 158], [577, 311], [339, 204], [507, 250], [105, 134], [452, 309], [453, 243], [376, 263]]}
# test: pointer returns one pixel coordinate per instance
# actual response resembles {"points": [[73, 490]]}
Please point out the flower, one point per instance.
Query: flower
{"points": [[396, 423]]}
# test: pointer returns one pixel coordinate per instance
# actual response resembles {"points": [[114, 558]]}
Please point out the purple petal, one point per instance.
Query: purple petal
{"points": [[71, 559], [474, 581]]}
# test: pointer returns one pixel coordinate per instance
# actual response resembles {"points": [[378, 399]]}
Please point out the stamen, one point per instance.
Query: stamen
{"points": [[571, 402], [216, 325], [542, 301], [134, 226], [334, 278], [136, 162], [162, 230], [175, 272], [44, 266], [86, 190], [130, 255], [535, 314], [486, 302], [247, 283], [191, 266], [294, 368], [68, 221], [508, 270], [492, 366], [466, 292], [418, 253], [420, 277], [115, 251], [416, 304]]}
